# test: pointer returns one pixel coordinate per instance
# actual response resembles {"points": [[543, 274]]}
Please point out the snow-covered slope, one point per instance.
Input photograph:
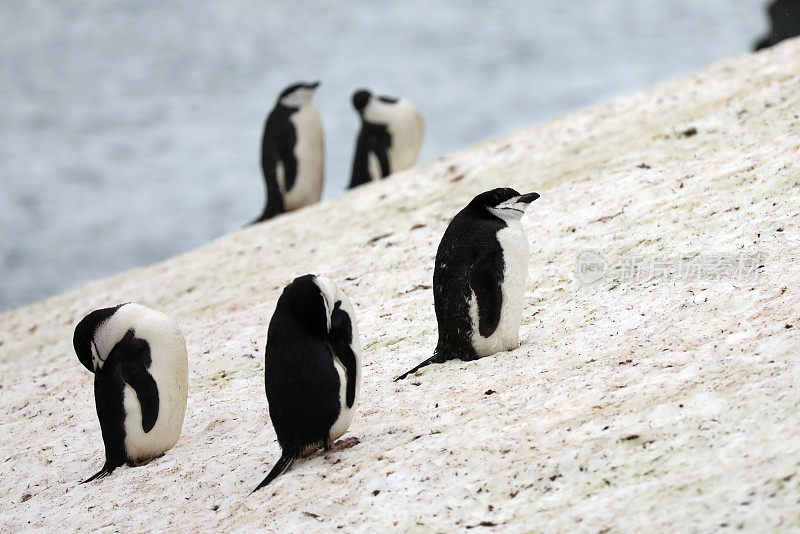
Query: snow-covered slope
{"points": [[669, 400]]}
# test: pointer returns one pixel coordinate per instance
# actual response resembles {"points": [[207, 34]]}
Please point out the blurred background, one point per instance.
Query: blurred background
{"points": [[130, 131]]}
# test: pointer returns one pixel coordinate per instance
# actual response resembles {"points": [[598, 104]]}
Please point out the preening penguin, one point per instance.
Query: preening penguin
{"points": [[293, 152], [479, 278], [390, 137], [139, 360], [312, 368]]}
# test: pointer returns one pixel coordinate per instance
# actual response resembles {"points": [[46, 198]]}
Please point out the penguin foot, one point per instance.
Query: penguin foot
{"points": [[343, 444], [140, 463]]}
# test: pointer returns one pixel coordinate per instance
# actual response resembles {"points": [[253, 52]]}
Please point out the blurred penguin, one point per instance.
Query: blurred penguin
{"points": [[390, 138], [293, 152], [784, 18]]}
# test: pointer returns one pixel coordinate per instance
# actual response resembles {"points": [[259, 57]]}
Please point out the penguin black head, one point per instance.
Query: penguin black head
{"points": [[361, 99], [311, 301], [84, 334], [298, 94], [503, 202]]}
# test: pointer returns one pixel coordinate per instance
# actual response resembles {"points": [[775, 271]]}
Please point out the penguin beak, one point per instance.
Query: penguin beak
{"points": [[314, 85], [528, 198]]}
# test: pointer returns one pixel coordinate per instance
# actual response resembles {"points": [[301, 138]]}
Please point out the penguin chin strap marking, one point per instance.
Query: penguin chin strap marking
{"points": [[433, 359]]}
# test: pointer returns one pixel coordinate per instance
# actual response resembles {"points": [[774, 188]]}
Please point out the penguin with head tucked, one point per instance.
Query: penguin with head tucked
{"points": [[293, 152], [139, 360], [312, 368], [479, 278], [390, 138]]}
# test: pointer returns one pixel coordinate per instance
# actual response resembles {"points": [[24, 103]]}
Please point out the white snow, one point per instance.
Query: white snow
{"points": [[663, 403]]}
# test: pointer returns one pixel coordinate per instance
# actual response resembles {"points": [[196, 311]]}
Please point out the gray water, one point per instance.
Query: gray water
{"points": [[130, 131]]}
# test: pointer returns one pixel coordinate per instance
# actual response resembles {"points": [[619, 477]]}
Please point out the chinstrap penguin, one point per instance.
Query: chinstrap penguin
{"points": [[479, 278], [293, 152], [312, 368], [390, 138], [140, 365]]}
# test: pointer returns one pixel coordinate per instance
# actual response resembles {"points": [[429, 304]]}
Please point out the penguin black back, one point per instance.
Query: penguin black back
{"points": [[312, 368], [298, 357]]}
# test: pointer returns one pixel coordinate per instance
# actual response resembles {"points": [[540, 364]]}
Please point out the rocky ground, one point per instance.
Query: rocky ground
{"points": [[663, 394]]}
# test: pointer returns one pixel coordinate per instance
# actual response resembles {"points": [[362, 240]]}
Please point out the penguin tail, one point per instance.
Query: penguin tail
{"points": [[436, 358], [261, 218], [282, 465], [104, 472]]}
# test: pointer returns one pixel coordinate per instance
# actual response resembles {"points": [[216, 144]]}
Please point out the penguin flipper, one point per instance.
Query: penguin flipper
{"points": [[339, 339], [274, 205], [486, 280], [282, 465], [107, 469], [383, 160], [134, 357], [380, 144]]}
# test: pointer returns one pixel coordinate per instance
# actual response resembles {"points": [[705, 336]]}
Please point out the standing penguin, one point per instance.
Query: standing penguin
{"points": [[479, 278], [138, 357], [390, 137], [293, 152], [312, 368]]}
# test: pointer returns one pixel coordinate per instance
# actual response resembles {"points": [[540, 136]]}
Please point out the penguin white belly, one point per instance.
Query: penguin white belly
{"points": [[309, 152], [346, 413], [169, 369], [407, 131], [515, 276], [342, 422]]}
